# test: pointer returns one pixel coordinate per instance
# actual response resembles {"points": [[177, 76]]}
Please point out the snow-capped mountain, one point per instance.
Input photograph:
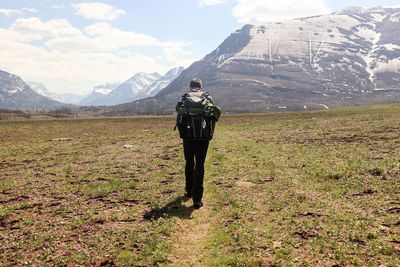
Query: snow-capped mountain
{"points": [[163, 82], [350, 57], [132, 89], [68, 98], [16, 94], [141, 85], [98, 96]]}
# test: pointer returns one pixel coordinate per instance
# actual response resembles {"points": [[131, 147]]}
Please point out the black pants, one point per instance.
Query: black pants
{"points": [[195, 155]]}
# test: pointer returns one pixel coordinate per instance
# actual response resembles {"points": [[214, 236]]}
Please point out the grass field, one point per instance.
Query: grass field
{"points": [[291, 189]]}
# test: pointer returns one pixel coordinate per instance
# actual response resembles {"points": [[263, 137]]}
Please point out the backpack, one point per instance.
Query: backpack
{"points": [[197, 116]]}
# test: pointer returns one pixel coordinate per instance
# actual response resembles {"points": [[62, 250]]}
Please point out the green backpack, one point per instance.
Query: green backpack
{"points": [[197, 115]]}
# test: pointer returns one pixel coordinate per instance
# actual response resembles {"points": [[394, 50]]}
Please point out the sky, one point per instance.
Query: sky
{"points": [[72, 46]]}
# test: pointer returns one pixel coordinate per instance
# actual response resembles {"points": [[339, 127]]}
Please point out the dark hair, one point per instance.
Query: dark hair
{"points": [[196, 83]]}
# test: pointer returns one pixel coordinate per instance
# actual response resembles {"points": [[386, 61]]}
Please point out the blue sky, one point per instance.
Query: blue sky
{"points": [[71, 46]]}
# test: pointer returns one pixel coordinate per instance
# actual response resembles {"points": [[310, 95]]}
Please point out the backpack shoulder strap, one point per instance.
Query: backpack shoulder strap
{"points": [[181, 102], [207, 95]]}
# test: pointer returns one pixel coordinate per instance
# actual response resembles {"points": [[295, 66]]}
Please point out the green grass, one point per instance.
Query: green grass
{"points": [[103, 189], [335, 176], [6, 183], [288, 189]]}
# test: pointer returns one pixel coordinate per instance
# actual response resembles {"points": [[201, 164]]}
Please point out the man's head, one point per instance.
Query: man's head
{"points": [[196, 84]]}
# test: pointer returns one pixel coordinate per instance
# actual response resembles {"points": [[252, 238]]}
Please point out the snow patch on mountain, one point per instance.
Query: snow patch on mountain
{"points": [[368, 34], [6, 80], [389, 66], [105, 88], [395, 17], [391, 47], [378, 17]]}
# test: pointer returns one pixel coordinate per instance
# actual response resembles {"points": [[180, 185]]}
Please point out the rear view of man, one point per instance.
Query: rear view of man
{"points": [[196, 120]]}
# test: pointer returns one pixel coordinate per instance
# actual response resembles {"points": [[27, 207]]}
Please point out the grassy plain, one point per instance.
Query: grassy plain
{"points": [[288, 189]]}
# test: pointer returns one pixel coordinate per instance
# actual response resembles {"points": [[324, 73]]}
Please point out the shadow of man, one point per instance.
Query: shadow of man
{"points": [[174, 208]]}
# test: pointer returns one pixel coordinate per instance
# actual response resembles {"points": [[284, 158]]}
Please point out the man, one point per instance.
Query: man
{"points": [[196, 119]]}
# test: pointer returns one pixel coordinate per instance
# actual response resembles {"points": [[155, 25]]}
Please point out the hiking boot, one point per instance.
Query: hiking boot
{"points": [[186, 197], [198, 205]]}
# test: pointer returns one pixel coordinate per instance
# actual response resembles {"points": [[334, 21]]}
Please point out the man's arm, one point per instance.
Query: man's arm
{"points": [[179, 105]]}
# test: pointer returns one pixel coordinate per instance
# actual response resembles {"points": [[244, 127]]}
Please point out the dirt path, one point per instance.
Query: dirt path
{"points": [[191, 241]]}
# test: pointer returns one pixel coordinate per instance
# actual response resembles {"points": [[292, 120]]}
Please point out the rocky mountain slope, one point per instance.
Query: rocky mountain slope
{"points": [[351, 57], [16, 94]]}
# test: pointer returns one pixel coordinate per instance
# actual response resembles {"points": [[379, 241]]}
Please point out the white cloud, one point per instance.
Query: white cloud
{"points": [[9, 12], [110, 36], [16, 12], [104, 37], [211, 2], [34, 29], [259, 11], [98, 11], [68, 59], [55, 6], [29, 9], [177, 55]]}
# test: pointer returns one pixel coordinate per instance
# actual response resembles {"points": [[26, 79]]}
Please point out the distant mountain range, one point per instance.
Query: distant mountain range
{"points": [[139, 86], [68, 98], [351, 57], [16, 94]]}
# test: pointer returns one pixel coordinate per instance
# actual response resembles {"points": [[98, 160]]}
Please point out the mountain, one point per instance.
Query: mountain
{"points": [[351, 57], [132, 89], [141, 85], [163, 82], [98, 96], [16, 94], [68, 98]]}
